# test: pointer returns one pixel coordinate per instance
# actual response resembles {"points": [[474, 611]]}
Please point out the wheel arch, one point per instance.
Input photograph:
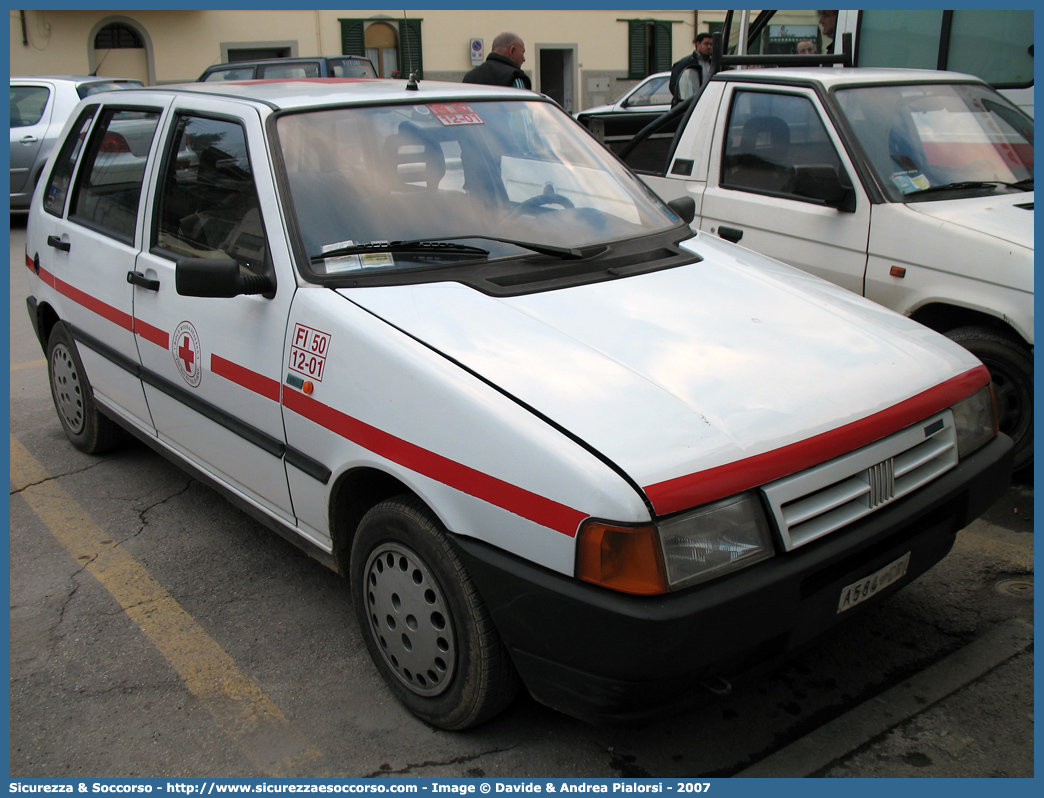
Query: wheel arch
{"points": [[353, 494], [943, 317], [46, 318]]}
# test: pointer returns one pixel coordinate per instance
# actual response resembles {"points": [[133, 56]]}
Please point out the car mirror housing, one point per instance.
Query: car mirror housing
{"points": [[218, 277], [685, 207], [825, 183]]}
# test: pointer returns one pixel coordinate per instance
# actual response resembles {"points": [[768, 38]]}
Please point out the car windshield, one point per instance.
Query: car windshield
{"points": [[385, 187], [928, 141]]}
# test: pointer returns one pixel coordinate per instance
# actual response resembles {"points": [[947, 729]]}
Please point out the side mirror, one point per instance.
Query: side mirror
{"points": [[218, 277], [685, 207], [830, 186]]}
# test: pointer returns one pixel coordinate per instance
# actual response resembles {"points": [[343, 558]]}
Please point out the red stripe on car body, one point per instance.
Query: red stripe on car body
{"points": [[106, 311], [692, 490], [512, 498], [245, 378]]}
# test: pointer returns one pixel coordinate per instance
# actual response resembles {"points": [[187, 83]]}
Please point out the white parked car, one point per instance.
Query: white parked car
{"points": [[652, 95], [911, 187], [439, 338]]}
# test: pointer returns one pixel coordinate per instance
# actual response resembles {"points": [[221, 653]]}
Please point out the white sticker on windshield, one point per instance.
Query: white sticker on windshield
{"points": [[343, 263]]}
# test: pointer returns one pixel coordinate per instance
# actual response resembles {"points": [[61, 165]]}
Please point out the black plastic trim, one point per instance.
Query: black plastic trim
{"points": [[262, 440]]}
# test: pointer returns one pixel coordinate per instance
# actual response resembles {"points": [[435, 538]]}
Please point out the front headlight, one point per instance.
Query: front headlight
{"points": [[975, 420], [720, 537], [674, 553]]}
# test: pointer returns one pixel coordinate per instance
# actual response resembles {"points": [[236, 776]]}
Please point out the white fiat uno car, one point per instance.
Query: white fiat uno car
{"points": [[440, 338]]}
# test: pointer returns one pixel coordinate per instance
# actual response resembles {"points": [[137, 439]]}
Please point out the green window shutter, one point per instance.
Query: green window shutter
{"points": [[636, 49], [410, 51], [662, 47], [353, 40]]}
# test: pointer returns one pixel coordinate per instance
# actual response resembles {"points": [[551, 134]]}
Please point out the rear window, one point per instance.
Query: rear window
{"points": [[233, 73]]}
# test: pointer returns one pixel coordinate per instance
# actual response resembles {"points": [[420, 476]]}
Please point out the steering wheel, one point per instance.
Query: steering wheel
{"points": [[537, 201]]}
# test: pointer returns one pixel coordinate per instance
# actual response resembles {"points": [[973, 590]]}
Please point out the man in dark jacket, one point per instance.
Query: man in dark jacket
{"points": [[502, 65], [691, 72]]}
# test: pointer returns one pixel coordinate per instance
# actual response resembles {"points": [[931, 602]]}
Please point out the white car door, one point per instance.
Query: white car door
{"points": [[213, 376], [765, 137], [90, 239]]}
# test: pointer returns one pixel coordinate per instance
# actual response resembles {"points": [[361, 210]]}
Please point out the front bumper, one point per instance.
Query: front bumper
{"points": [[601, 655]]}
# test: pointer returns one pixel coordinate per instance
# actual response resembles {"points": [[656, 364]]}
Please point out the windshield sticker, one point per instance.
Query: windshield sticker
{"points": [[350, 263], [909, 183], [455, 114]]}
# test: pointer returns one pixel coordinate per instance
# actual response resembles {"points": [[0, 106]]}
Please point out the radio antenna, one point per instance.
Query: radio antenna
{"points": [[411, 84]]}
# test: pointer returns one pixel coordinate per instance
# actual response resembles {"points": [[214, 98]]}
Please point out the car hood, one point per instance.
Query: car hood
{"points": [[1008, 217], [677, 372]]}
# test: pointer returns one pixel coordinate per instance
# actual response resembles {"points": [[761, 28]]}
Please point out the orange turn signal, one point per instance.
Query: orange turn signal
{"points": [[628, 559]]}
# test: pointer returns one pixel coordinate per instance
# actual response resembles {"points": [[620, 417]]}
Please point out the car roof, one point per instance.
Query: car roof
{"points": [[833, 77], [291, 93], [75, 78], [297, 59]]}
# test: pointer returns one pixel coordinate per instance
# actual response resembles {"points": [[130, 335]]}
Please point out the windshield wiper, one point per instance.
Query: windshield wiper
{"points": [[433, 247], [1022, 185], [437, 246]]}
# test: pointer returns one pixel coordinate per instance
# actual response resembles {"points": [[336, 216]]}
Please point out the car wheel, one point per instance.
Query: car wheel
{"points": [[87, 429], [424, 624], [1011, 367]]}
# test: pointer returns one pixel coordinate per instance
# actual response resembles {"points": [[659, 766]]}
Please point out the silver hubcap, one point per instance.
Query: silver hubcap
{"points": [[68, 392], [410, 619]]}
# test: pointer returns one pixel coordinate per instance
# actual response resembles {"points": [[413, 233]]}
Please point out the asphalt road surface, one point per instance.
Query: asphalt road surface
{"points": [[157, 631]]}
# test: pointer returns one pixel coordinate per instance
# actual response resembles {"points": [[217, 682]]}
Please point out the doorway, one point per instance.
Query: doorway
{"points": [[556, 73]]}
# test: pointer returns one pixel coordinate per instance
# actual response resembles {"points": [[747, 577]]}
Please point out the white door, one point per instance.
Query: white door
{"points": [[91, 242], [766, 139], [213, 379]]}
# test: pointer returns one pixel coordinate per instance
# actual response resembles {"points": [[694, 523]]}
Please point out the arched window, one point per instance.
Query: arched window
{"points": [[117, 36]]}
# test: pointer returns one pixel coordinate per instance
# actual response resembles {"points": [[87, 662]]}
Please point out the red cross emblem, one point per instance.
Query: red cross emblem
{"points": [[187, 355], [184, 346]]}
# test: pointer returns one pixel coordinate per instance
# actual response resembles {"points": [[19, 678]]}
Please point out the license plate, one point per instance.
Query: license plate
{"points": [[860, 591]]}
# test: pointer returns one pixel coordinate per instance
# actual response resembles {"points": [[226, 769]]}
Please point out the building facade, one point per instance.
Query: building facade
{"points": [[581, 58]]}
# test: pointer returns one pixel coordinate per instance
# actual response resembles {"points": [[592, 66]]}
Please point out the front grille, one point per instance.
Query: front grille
{"points": [[819, 500]]}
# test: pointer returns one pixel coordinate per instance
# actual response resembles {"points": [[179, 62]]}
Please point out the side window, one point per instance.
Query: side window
{"points": [[655, 92], [28, 104], [767, 137], [65, 163], [208, 206], [109, 185]]}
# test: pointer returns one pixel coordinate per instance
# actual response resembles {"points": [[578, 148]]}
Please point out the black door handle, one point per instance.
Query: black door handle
{"points": [[57, 243], [732, 234], [139, 279]]}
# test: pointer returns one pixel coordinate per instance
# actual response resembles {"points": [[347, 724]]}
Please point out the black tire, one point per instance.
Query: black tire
{"points": [[1011, 366], [85, 426], [424, 624]]}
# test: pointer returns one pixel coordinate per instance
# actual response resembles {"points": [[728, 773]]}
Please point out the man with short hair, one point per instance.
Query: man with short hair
{"points": [[502, 66], [691, 72], [828, 23]]}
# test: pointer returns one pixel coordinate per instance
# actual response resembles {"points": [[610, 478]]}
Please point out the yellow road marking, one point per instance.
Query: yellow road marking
{"points": [[32, 364], [235, 701]]}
